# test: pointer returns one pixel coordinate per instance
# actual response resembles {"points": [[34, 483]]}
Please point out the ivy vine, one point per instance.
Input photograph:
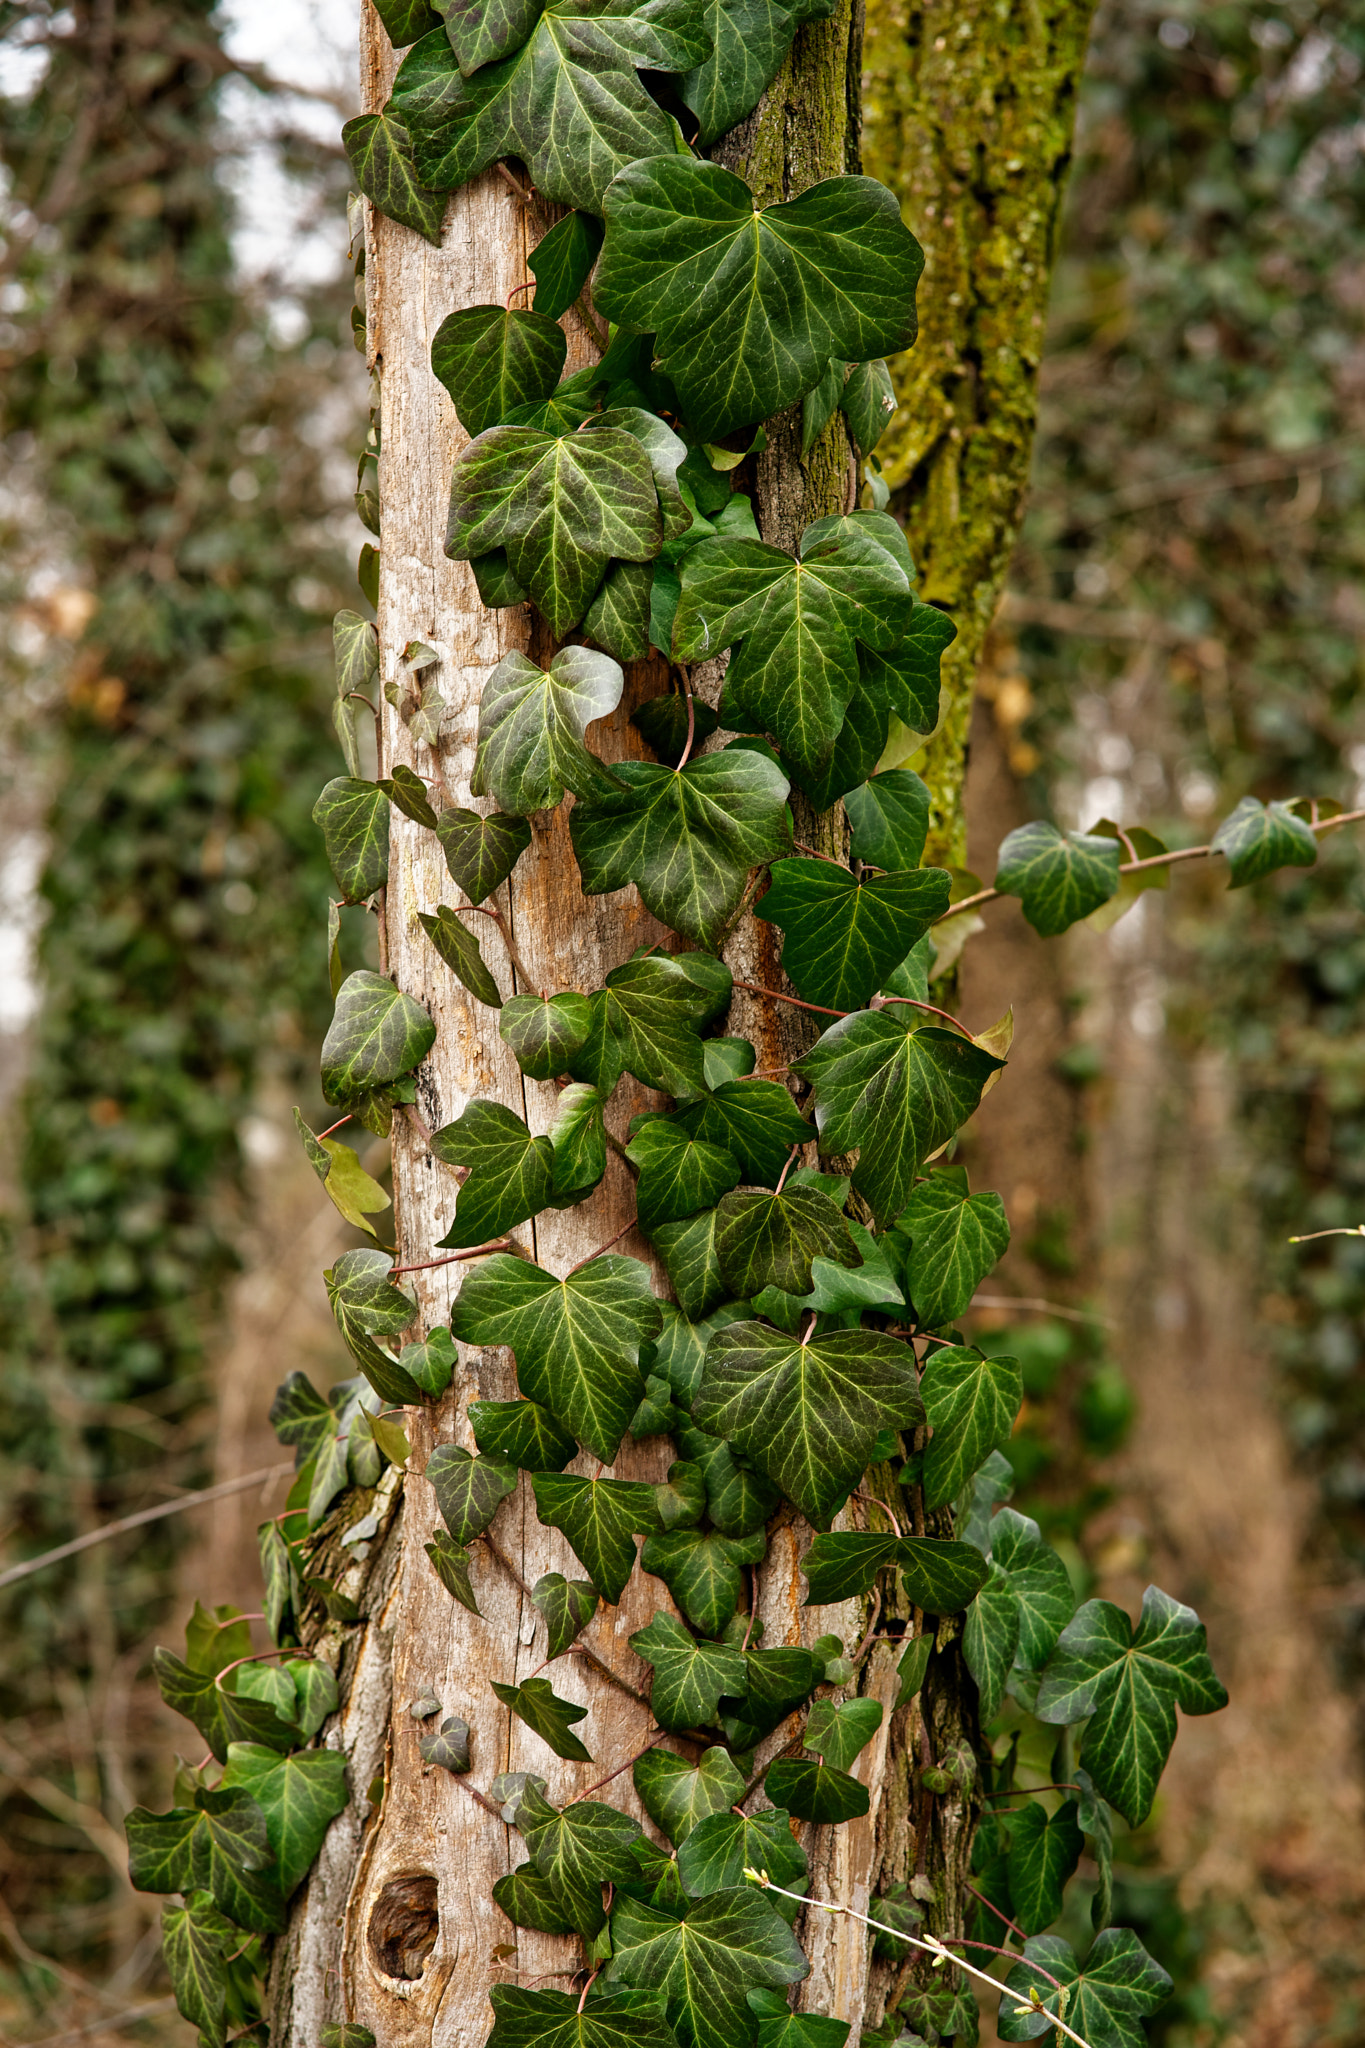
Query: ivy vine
{"points": [[809, 1361]]}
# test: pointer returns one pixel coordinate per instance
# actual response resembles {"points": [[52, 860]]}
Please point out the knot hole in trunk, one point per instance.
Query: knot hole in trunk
{"points": [[404, 1923]]}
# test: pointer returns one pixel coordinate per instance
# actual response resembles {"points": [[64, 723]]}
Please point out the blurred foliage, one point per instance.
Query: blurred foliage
{"points": [[1189, 597], [171, 566]]}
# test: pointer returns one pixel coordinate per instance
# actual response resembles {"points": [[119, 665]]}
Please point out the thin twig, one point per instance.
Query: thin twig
{"points": [[137, 1521], [1037, 1306]]}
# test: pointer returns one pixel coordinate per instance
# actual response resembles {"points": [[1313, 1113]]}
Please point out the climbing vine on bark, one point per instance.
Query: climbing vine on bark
{"points": [[817, 1242]]}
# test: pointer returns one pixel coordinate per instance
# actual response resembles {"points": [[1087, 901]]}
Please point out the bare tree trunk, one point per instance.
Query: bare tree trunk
{"points": [[397, 1929]]}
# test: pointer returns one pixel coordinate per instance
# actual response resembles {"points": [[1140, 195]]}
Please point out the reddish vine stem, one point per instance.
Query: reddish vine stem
{"points": [[880, 1002], [622, 1232], [788, 1167], [691, 718], [795, 1001], [482, 1251], [334, 1127], [630, 1760], [991, 1907]]}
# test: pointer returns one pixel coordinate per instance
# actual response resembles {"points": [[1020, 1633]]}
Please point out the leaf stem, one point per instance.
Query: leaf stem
{"points": [[691, 719], [991, 1907], [796, 1002], [816, 854], [616, 1773], [788, 1167], [880, 1002], [873, 1500], [337, 1126], [528, 286], [482, 1251], [622, 1232]]}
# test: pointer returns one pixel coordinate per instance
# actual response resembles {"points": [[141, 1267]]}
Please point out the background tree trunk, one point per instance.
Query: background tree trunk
{"points": [[397, 1929]]}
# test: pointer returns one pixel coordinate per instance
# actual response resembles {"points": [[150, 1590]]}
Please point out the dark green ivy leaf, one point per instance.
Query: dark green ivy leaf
{"points": [[220, 1716], [600, 1518], [896, 1092], [776, 1681], [844, 935], [492, 358], [645, 1021], [689, 1676], [579, 1142], [991, 1641], [1044, 1851], [840, 1731], [717, 1850], [779, 2027], [701, 1571], [1128, 1682], [219, 1846], [577, 1341], [688, 1252], [971, 1401], [868, 400], [568, 1606], [578, 1851], [769, 1240], [469, 1491], [955, 1240], [551, 2019], [409, 792], [749, 39], [300, 1797], [376, 1034], [679, 1797], [544, 1032], [749, 306], [1107, 2000], [195, 1939], [367, 1305], [447, 1747], [379, 148], [521, 1433], [1095, 1820], [536, 1703], [807, 1414], [678, 1174], [756, 1120], [301, 1418], [529, 1900], [1039, 1581], [1258, 838], [662, 723], [354, 820], [687, 838], [569, 102], [511, 1173], [531, 726], [738, 1500], [562, 262], [481, 852], [705, 1962], [1058, 877], [815, 1791], [889, 816], [404, 22], [940, 1576], [460, 950]]}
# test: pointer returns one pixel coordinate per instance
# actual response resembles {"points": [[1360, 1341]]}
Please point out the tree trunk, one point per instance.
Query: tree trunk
{"points": [[396, 1929]]}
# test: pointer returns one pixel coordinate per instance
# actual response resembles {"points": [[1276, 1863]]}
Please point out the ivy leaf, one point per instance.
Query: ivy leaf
{"points": [[776, 1681], [491, 359], [798, 622], [568, 1606], [662, 721], [353, 1193], [868, 400], [1039, 1581], [680, 1351], [511, 1173], [1096, 1821], [840, 1731], [1058, 877], [451, 1565], [990, 1642], [355, 651], [889, 817], [544, 1032], [738, 1500], [469, 1491], [955, 1240], [536, 1703], [448, 1746], [432, 1362], [600, 1518], [756, 1120], [1128, 1682], [380, 151], [749, 40], [219, 1845], [940, 1576], [686, 837], [807, 1414], [521, 1433], [979, 1499], [353, 817], [815, 1791], [195, 1939], [705, 1962], [971, 1401], [912, 1668], [688, 1252], [577, 1341], [220, 1716], [376, 1034], [459, 948], [301, 1419], [578, 1140], [1107, 2000], [714, 1854], [409, 792], [618, 617], [561, 262], [749, 306], [404, 21], [681, 1498], [1044, 1851], [578, 1851], [689, 1676], [481, 852], [300, 1797], [1258, 838], [569, 102], [894, 1090], [769, 1240], [366, 1305], [779, 2027], [844, 935], [551, 2019], [529, 1900], [701, 1571], [678, 1174], [679, 1796], [906, 680], [532, 722], [644, 1021]]}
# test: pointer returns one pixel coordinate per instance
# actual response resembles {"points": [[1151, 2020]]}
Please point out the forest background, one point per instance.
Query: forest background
{"points": [[1184, 623]]}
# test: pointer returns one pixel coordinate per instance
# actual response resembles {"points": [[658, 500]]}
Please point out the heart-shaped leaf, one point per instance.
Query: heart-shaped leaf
{"points": [[529, 1900], [568, 1606], [481, 852], [578, 1851], [531, 726], [379, 148], [1258, 838], [577, 1341], [680, 1797], [491, 359], [459, 948], [839, 1731], [1044, 1851], [447, 1746], [469, 1491], [815, 1791], [971, 1401], [354, 820], [645, 1020], [687, 838], [756, 1120], [536, 1703], [600, 1517], [807, 1414], [678, 1174], [717, 1851], [889, 818], [844, 934], [578, 1139], [1107, 2000], [376, 1034], [955, 1239], [545, 1032], [219, 1845], [701, 1571], [511, 1173], [451, 1565], [704, 1963], [749, 306], [689, 1675], [521, 1433], [769, 1240], [1039, 1581], [1059, 877]]}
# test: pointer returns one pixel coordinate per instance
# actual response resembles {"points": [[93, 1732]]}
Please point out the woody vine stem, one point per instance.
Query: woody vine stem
{"points": [[789, 1354]]}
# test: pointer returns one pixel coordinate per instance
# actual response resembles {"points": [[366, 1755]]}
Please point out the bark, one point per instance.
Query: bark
{"points": [[396, 1928]]}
